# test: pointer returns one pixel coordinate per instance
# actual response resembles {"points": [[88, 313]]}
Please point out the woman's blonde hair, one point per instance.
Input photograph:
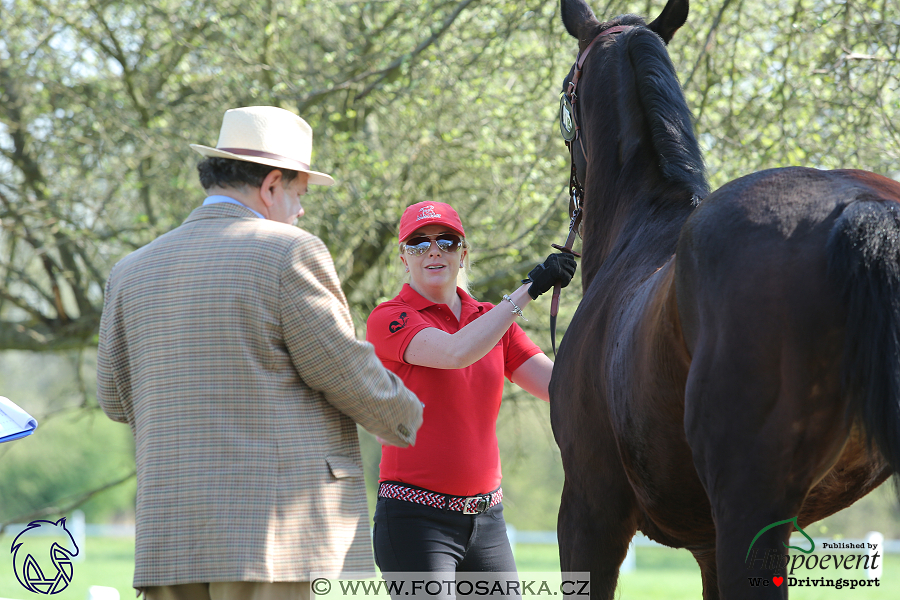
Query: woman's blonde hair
{"points": [[462, 277]]}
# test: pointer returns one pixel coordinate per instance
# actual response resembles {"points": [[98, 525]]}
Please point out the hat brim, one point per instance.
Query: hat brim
{"points": [[315, 177]]}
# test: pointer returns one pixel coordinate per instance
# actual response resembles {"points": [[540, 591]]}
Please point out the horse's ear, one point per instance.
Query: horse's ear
{"points": [[672, 17], [61, 522], [579, 19]]}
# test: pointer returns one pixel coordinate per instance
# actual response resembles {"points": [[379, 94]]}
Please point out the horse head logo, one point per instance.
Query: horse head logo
{"points": [[778, 523], [42, 556]]}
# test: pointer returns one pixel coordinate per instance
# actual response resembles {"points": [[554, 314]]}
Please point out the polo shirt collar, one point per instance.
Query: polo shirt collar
{"points": [[420, 302]]}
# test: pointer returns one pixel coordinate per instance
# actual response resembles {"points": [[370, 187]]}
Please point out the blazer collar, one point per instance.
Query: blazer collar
{"points": [[220, 211]]}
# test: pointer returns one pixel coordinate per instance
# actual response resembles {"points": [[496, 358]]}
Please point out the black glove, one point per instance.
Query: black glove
{"points": [[557, 268]]}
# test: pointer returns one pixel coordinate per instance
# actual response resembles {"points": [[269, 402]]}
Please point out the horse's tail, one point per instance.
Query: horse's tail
{"points": [[864, 259]]}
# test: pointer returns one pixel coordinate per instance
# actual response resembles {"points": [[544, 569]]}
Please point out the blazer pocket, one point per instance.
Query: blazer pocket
{"points": [[343, 466]]}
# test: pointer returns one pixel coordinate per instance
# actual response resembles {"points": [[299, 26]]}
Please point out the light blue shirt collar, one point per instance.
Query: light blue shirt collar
{"points": [[227, 200]]}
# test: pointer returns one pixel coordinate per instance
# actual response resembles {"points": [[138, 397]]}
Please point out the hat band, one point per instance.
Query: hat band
{"points": [[301, 166]]}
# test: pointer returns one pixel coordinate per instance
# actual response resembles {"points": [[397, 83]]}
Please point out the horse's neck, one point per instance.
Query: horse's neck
{"points": [[633, 212], [629, 240]]}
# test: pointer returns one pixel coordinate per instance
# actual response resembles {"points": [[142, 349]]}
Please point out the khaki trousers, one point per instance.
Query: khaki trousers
{"points": [[231, 590]]}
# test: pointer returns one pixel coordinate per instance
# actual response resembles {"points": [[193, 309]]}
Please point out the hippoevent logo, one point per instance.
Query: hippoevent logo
{"points": [[834, 569], [42, 557]]}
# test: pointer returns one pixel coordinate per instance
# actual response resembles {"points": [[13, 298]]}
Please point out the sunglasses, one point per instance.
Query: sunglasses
{"points": [[446, 242]]}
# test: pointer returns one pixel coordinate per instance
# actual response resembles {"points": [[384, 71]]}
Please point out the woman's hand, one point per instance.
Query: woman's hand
{"points": [[558, 267]]}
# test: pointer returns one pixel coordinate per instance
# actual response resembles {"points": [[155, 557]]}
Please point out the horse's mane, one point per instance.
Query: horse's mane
{"points": [[661, 101]]}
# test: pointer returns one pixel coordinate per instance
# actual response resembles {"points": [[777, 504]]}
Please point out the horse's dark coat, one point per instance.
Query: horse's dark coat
{"points": [[730, 362]]}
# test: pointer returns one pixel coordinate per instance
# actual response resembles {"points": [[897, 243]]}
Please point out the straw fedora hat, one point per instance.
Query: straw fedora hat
{"points": [[266, 135]]}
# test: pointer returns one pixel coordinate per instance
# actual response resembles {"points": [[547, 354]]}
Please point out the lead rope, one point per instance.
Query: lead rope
{"points": [[576, 194]]}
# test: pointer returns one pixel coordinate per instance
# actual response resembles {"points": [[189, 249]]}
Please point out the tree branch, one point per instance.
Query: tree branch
{"points": [[710, 38], [397, 62], [51, 335], [65, 508], [315, 95]]}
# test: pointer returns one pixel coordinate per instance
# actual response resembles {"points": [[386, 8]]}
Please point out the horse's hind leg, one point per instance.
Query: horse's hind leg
{"points": [[595, 528], [763, 428], [739, 466]]}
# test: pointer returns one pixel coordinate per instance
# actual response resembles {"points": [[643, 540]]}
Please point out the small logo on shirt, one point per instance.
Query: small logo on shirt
{"points": [[396, 326], [427, 212]]}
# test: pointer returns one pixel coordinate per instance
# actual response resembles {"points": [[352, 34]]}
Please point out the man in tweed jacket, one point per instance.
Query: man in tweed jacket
{"points": [[227, 346]]}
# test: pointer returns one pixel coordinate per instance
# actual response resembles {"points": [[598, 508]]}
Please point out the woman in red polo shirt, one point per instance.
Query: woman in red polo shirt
{"points": [[438, 504]]}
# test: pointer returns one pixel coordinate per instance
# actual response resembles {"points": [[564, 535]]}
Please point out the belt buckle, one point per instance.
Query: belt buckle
{"points": [[482, 503]]}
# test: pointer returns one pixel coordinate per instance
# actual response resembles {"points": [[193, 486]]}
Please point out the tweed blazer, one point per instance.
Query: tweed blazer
{"points": [[227, 346]]}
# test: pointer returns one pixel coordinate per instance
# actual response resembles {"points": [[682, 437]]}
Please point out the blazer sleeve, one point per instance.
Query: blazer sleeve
{"points": [[321, 340], [111, 359]]}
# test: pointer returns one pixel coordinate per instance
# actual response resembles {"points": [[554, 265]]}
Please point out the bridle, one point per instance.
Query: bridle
{"points": [[570, 129]]}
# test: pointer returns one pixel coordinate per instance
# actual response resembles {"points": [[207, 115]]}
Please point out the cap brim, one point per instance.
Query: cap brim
{"points": [[411, 231], [315, 178]]}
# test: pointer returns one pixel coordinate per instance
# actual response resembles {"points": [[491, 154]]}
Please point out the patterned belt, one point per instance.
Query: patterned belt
{"points": [[468, 505]]}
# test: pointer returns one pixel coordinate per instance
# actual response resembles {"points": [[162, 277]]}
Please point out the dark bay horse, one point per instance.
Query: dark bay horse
{"points": [[735, 361]]}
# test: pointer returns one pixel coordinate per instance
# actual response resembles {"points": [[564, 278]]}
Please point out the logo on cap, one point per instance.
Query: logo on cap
{"points": [[427, 212]]}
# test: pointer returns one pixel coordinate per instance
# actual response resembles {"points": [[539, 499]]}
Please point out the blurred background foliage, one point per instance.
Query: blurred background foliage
{"points": [[451, 100]]}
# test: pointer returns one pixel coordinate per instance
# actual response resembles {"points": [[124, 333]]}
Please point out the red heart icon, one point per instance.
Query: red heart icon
{"points": [[777, 581]]}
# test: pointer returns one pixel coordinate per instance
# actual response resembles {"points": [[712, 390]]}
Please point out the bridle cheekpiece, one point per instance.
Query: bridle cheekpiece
{"points": [[568, 122]]}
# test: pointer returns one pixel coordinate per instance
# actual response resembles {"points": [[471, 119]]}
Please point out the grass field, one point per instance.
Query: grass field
{"points": [[661, 574]]}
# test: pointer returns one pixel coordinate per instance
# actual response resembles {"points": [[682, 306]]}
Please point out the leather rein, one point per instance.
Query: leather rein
{"points": [[568, 126]]}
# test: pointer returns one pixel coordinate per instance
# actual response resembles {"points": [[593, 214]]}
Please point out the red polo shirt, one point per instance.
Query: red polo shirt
{"points": [[456, 448]]}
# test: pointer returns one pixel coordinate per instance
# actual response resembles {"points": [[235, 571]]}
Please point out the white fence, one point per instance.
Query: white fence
{"points": [[549, 537]]}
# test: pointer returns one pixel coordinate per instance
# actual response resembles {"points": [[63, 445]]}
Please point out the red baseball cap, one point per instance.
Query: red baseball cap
{"points": [[429, 213]]}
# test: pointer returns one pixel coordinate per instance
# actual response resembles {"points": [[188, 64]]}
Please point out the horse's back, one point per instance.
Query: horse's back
{"points": [[764, 236]]}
